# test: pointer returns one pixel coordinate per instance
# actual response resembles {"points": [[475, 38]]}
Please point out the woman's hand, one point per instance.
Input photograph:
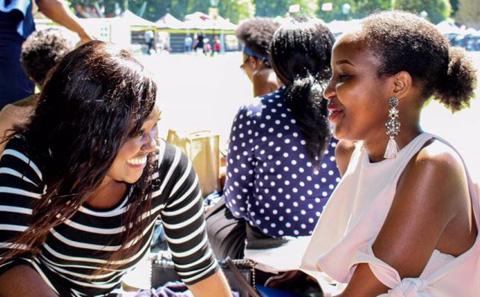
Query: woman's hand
{"points": [[24, 281]]}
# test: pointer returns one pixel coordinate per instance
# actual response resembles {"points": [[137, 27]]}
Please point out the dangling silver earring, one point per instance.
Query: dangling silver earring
{"points": [[393, 128]]}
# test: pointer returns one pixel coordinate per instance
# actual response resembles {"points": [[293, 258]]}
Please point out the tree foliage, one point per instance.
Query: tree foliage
{"points": [[469, 13], [237, 10], [437, 10], [357, 8], [267, 8]]}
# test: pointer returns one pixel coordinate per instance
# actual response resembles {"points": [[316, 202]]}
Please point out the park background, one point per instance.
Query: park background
{"points": [[203, 92]]}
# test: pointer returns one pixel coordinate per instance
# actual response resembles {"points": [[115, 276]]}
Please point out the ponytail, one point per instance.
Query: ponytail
{"points": [[304, 98], [456, 86]]}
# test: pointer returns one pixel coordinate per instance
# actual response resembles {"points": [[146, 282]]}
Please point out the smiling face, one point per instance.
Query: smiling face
{"points": [[131, 159], [357, 95]]}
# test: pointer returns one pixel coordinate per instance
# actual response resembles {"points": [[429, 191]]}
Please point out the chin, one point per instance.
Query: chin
{"points": [[132, 179], [338, 134]]}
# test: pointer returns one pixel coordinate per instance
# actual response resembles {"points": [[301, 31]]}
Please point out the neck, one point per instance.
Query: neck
{"points": [[375, 147], [108, 194], [264, 81]]}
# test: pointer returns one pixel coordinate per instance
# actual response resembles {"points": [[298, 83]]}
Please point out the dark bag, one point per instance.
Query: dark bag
{"points": [[287, 284], [295, 282], [239, 273]]}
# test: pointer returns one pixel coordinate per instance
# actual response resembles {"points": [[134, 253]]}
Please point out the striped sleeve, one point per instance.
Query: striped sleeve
{"points": [[184, 223], [20, 187]]}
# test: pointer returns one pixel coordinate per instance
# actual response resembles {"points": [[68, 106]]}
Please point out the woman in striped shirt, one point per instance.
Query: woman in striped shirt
{"points": [[82, 184]]}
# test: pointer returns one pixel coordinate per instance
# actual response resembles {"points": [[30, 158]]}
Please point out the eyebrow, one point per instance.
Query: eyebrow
{"points": [[344, 61]]}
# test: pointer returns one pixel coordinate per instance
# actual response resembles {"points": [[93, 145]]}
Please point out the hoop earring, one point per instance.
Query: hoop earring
{"points": [[393, 128]]}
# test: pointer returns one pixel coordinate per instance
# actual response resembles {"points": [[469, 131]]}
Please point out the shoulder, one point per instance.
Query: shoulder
{"points": [[251, 111], [430, 194], [435, 176], [17, 144], [171, 164], [436, 161], [13, 114], [343, 151], [16, 157], [170, 156]]}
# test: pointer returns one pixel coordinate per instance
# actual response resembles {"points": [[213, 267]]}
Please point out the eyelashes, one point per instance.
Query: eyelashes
{"points": [[343, 77], [143, 132], [339, 78]]}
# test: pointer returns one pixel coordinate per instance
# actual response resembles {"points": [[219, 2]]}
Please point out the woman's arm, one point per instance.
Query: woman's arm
{"points": [[240, 173], [59, 13], [184, 223], [23, 281], [214, 285], [20, 186], [431, 193]]}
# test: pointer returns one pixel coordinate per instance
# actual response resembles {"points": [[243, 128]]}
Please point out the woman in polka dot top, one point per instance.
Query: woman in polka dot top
{"points": [[281, 167]]}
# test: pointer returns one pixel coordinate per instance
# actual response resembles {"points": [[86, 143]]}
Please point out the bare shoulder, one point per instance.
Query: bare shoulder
{"points": [[343, 153], [436, 171], [437, 162], [432, 203]]}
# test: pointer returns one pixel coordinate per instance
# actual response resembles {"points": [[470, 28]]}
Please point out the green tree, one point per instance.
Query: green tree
{"points": [[336, 13], [469, 13], [454, 4], [307, 7], [236, 10], [363, 8], [358, 8], [437, 10], [154, 9], [268, 8]]}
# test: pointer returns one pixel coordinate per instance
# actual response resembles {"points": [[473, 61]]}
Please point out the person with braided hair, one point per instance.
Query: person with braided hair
{"points": [[281, 167]]}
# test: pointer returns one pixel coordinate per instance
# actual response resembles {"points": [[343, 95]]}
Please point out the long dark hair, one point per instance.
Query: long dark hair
{"points": [[94, 99], [300, 55]]}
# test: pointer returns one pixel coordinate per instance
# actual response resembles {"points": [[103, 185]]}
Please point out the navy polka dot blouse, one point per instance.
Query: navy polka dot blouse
{"points": [[271, 182]]}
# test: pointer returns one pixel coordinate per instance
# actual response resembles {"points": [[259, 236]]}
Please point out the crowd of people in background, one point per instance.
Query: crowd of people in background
{"points": [[330, 148], [199, 43]]}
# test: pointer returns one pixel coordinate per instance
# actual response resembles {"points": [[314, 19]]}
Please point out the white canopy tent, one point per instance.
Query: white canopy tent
{"points": [[168, 21]]}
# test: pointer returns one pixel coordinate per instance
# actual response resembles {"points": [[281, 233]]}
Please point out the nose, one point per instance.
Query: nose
{"points": [[150, 142], [329, 91]]}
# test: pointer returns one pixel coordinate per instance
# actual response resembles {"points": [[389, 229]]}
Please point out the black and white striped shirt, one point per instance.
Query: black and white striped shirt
{"points": [[79, 246]]}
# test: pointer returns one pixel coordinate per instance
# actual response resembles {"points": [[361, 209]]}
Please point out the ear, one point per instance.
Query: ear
{"points": [[255, 63], [402, 84]]}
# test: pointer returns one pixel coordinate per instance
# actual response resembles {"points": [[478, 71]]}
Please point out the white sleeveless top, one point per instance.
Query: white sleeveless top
{"points": [[353, 217]]}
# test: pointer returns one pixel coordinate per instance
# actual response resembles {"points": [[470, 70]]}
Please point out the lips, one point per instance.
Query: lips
{"points": [[334, 112]]}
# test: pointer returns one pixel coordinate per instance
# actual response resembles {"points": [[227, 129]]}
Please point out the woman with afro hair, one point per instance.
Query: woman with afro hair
{"points": [[256, 35], [403, 221]]}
